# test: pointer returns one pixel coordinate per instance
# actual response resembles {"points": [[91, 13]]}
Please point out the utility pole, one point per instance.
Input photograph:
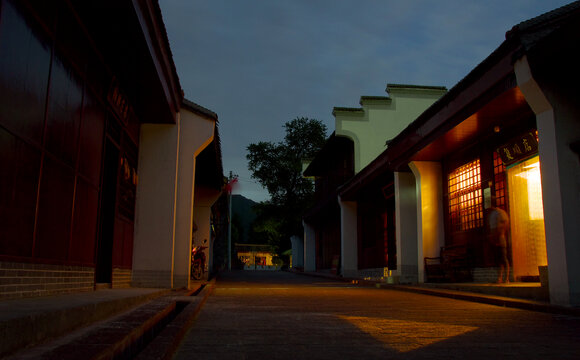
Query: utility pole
{"points": [[232, 180], [230, 231]]}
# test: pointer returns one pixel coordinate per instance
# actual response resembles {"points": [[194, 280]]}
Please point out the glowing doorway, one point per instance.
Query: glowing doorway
{"points": [[528, 237]]}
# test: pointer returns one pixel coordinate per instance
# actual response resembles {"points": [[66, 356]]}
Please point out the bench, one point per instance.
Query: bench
{"points": [[452, 265]]}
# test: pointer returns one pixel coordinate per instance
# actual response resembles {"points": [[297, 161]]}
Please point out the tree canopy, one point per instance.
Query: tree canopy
{"points": [[278, 167]]}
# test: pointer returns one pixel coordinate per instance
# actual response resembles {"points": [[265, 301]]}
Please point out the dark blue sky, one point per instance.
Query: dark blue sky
{"points": [[261, 63]]}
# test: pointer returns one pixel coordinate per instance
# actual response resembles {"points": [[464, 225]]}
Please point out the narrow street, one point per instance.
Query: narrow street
{"points": [[280, 315]]}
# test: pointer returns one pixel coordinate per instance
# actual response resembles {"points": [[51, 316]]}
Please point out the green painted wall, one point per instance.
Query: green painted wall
{"points": [[382, 118]]}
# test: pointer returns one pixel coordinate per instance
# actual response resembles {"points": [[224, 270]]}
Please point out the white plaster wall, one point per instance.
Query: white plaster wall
{"points": [[348, 238], [383, 119], [557, 117], [309, 247], [567, 181], [155, 206], [553, 210], [196, 133], [353, 125], [430, 226], [165, 200], [406, 227]]}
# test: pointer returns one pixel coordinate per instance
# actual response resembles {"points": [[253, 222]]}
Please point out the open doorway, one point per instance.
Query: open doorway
{"points": [[528, 237], [104, 263]]}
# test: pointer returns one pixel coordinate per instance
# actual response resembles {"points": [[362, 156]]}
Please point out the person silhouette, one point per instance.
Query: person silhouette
{"points": [[498, 227]]}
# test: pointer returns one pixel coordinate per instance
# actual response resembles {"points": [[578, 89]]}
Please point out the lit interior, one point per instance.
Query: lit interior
{"points": [[252, 258], [465, 196], [528, 237], [531, 173]]}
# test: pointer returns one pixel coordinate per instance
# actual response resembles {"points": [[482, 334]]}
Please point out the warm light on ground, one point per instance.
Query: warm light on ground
{"points": [[405, 336]]}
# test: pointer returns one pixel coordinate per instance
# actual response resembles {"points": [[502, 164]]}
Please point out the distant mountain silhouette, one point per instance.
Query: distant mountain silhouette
{"points": [[242, 210]]}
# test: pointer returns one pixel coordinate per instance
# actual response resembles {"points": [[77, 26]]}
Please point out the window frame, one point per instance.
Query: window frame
{"points": [[465, 196]]}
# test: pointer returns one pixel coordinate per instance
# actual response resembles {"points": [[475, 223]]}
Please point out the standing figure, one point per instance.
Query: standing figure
{"points": [[498, 227]]}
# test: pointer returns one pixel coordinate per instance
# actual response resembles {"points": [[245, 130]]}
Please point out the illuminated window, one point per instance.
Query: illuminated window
{"points": [[499, 181], [465, 203]]}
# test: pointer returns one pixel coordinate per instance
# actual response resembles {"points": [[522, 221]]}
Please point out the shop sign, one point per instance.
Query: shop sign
{"points": [[518, 149], [118, 100]]}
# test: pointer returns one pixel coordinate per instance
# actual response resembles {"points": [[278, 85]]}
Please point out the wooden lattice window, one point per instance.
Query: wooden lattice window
{"points": [[499, 181], [465, 197]]}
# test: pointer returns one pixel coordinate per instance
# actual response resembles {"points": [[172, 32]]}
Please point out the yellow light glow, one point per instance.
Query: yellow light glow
{"points": [[465, 195], [528, 241], [404, 335], [531, 172]]}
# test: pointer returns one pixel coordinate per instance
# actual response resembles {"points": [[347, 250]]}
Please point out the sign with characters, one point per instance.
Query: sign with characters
{"points": [[518, 149]]}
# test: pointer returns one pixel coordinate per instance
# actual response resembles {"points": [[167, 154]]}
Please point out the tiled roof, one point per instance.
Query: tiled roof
{"points": [[328, 151], [524, 35], [531, 31], [210, 159], [210, 164], [190, 105], [166, 44]]}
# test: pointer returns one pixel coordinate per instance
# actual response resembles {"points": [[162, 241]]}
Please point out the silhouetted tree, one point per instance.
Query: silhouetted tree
{"points": [[278, 167]]}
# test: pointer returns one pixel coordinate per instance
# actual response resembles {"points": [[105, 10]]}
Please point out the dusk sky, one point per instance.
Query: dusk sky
{"points": [[261, 63]]}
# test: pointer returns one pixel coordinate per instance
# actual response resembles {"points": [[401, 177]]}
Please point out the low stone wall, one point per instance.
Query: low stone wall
{"points": [[19, 280], [121, 278]]}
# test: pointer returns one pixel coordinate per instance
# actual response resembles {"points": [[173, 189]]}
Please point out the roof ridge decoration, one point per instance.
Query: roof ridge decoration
{"points": [[424, 89], [409, 86], [352, 110], [375, 99]]}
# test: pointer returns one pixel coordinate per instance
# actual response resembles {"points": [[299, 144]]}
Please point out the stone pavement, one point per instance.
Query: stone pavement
{"points": [[28, 321], [104, 324], [527, 296], [280, 315], [290, 311]]}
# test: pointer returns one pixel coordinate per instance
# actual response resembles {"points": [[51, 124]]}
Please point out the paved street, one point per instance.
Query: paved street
{"points": [[279, 315]]}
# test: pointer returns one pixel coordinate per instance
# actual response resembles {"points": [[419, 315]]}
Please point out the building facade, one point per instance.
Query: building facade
{"points": [[181, 178], [82, 84], [355, 234], [506, 137]]}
